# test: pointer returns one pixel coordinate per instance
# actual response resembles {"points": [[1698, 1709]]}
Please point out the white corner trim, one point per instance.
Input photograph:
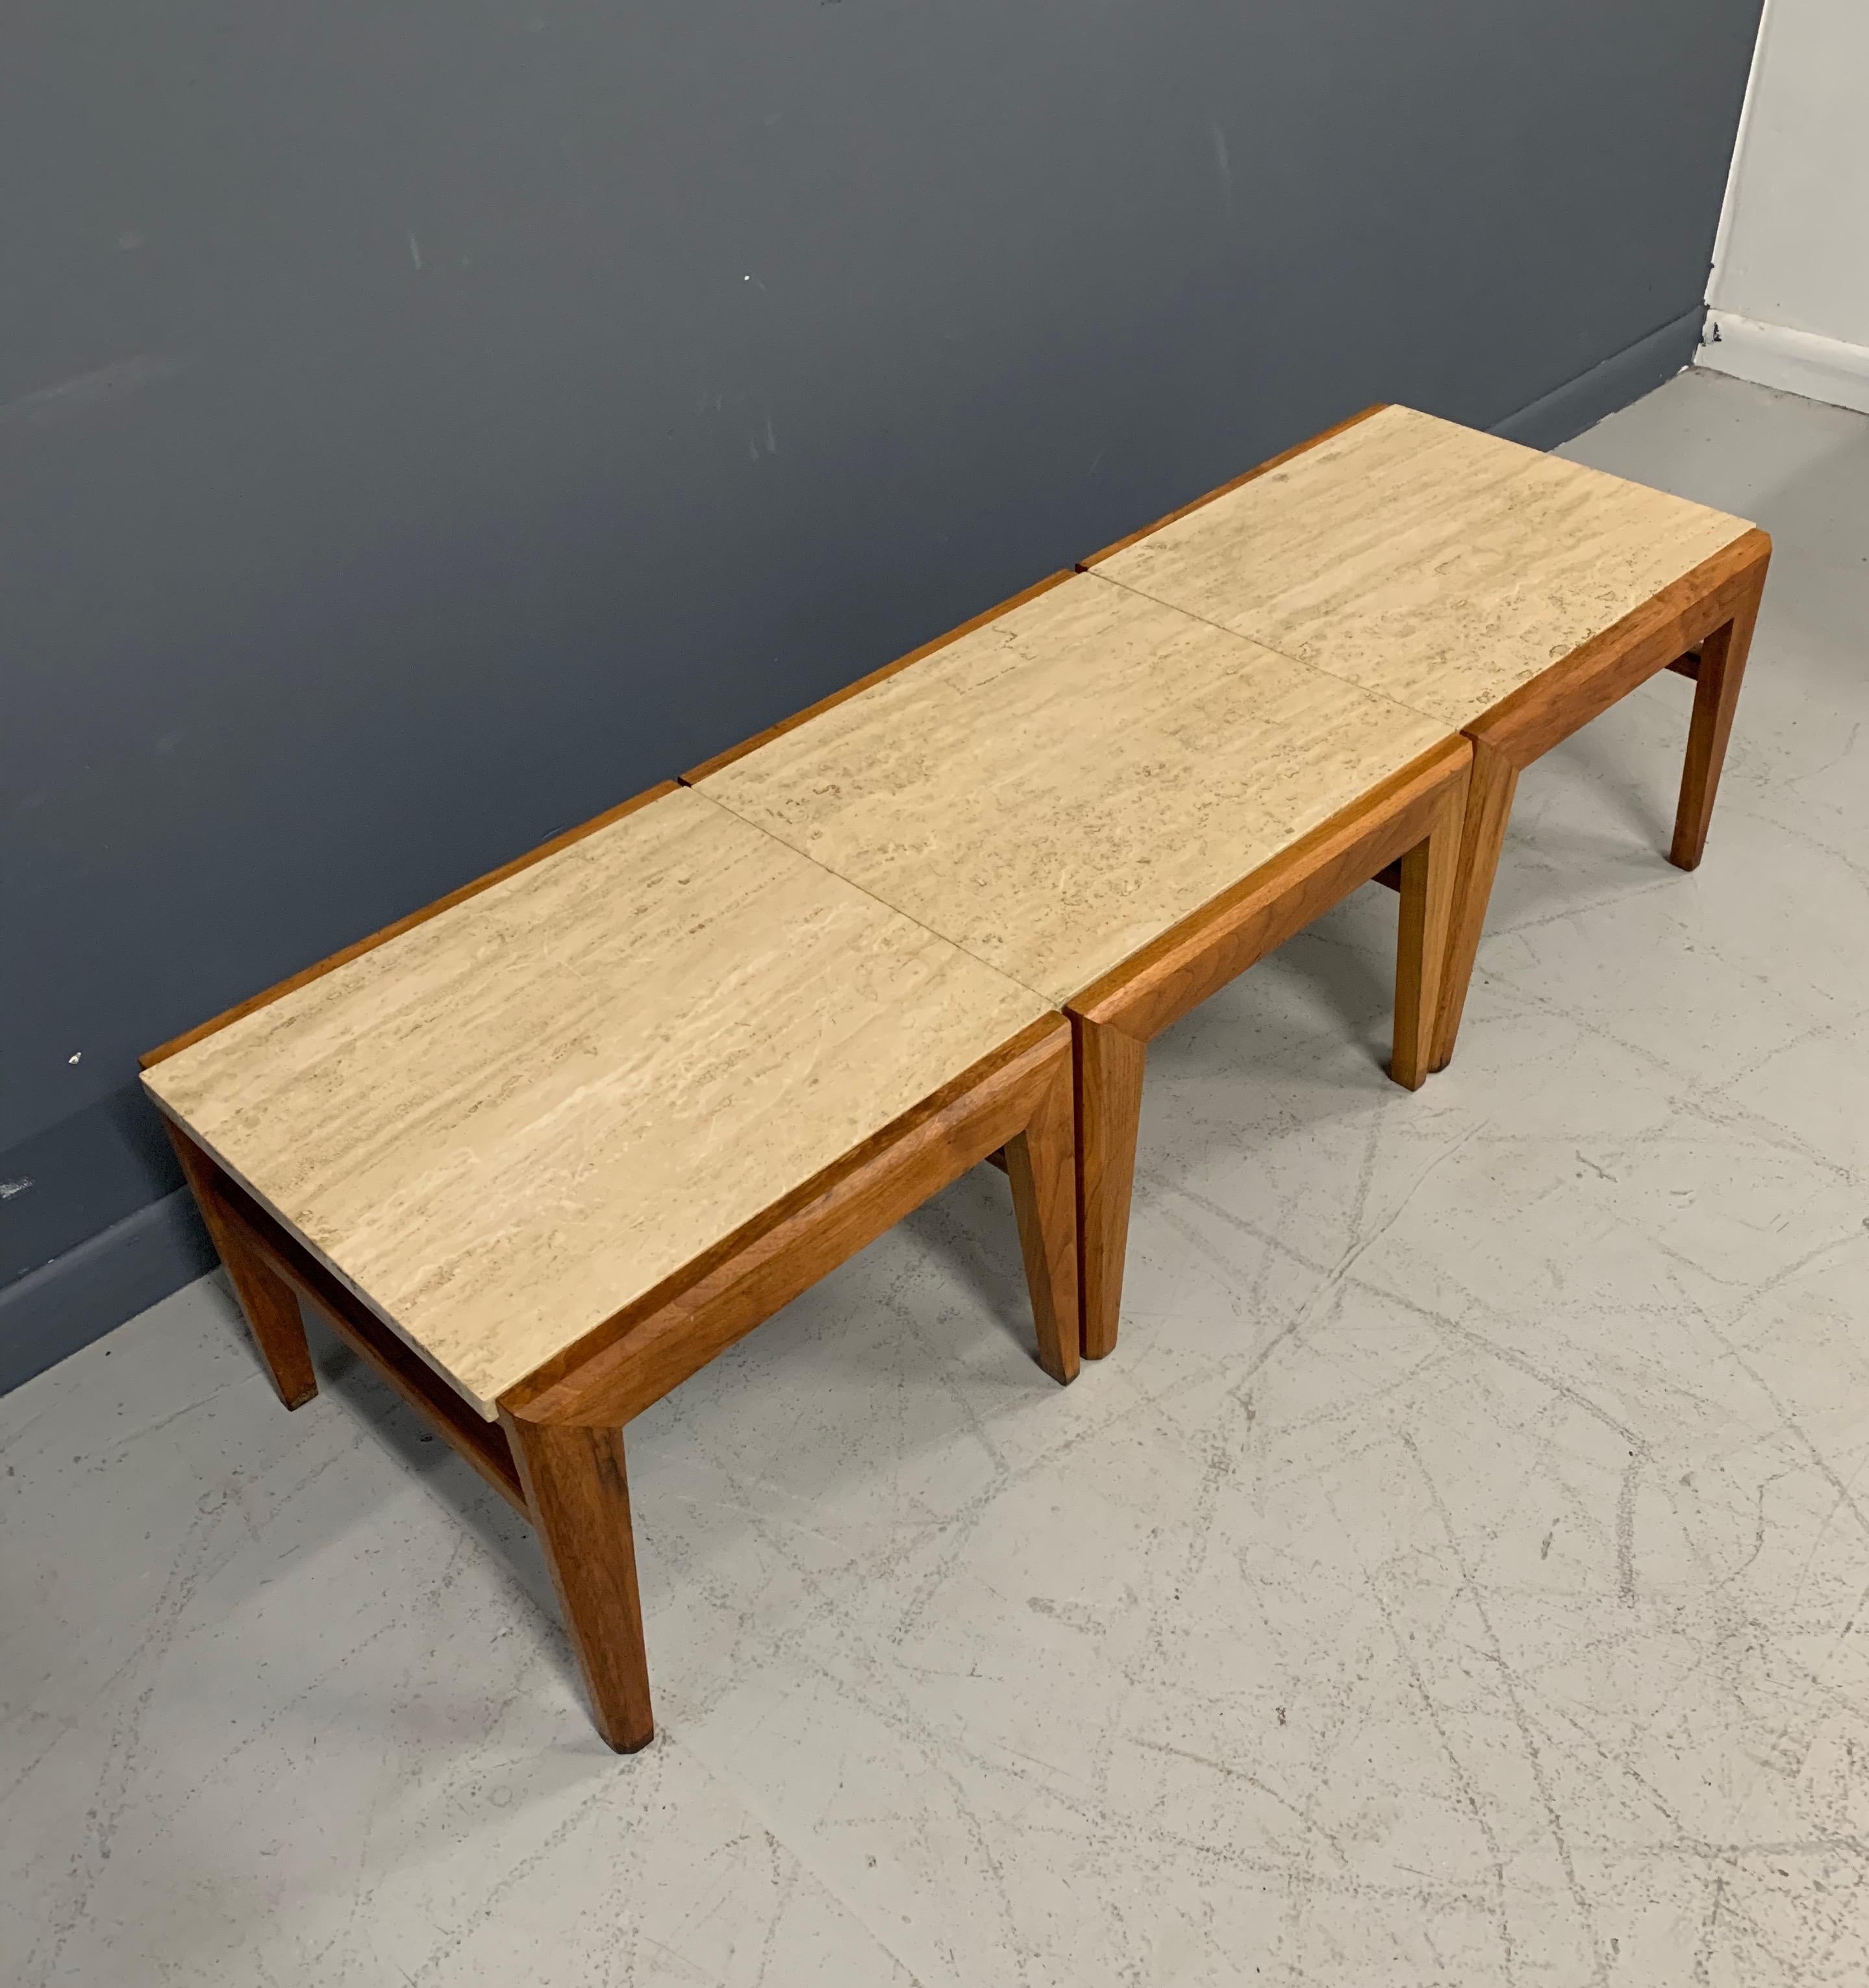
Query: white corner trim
{"points": [[1796, 362], [1723, 233]]}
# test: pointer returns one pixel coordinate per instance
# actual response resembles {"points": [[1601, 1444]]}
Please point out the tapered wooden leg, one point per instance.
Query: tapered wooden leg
{"points": [[576, 1484], [270, 1303], [1429, 872], [1042, 1165], [1716, 694], [1109, 1082], [1493, 781]]}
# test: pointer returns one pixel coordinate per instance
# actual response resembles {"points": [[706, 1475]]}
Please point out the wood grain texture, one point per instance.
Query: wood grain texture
{"points": [[441, 1406], [563, 1425], [1686, 626], [1442, 567], [1650, 637], [1493, 781], [506, 1123], [1196, 957], [1719, 671], [1416, 817], [1111, 1062], [555, 1452], [576, 1488], [1041, 1165], [268, 1302], [1056, 789], [1431, 871], [635, 1358]]}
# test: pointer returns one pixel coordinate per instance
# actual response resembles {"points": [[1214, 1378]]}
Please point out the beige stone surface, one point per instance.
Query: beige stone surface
{"points": [[506, 1124], [1440, 566], [1056, 788]]}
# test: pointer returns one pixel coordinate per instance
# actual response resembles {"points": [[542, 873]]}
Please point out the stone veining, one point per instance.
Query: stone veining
{"points": [[1056, 788], [506, 1123], [1441, 566]]}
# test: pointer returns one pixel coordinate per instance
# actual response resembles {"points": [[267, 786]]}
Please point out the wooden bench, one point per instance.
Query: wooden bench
{"points": [[542, 1150], [1511, 595]]}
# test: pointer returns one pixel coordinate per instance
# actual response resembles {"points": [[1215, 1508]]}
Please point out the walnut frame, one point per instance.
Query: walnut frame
{"points": [[1411, 820], [556, 1453], [1699, 626]]}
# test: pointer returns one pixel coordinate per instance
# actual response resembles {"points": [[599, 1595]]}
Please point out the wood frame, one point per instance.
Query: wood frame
{"points": [[271, 1271], [1700, 627], [1412, 820], [1058, 1107], [556, 1454]]}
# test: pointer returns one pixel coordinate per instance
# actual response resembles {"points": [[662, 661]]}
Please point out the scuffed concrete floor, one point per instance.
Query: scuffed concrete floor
{"points": [[1460, 1574]]}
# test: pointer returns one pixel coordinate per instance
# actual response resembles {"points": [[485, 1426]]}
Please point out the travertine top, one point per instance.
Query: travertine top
{"points": [[1440, 566], [502, 1127], [1060, 786]]}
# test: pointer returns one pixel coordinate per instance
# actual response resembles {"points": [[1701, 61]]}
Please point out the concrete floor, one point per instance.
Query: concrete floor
{"points": [[1459, 1575]]}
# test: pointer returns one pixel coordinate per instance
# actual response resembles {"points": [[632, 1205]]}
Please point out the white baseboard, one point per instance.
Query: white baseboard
{"points": [[1796, 362]]}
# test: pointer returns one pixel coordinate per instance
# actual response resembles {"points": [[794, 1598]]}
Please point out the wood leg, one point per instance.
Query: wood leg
{"points": [[1716, 693], [1109, 1082], [576, 1484], [1429, 872], [1489, 807], [270, 1303], [1042, 1165]]}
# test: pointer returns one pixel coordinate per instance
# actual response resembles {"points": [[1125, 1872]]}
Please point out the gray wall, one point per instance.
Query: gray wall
{"points": [[422, 424]]}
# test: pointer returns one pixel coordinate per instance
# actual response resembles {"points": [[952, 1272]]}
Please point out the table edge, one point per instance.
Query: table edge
{"points": [[1416, 782], [568, 1374], [1528, 722]]}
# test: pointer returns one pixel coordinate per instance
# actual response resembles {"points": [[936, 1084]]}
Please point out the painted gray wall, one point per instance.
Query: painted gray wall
{"points": [[422, 424]]}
